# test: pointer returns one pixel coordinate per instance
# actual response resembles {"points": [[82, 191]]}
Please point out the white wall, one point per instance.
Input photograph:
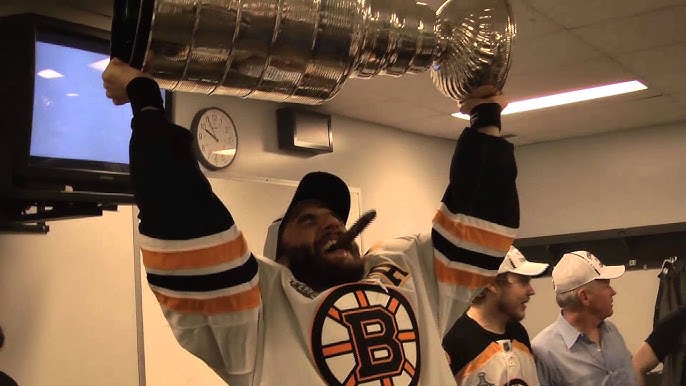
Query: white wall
{"points": [[67, 303], [625, 179]]}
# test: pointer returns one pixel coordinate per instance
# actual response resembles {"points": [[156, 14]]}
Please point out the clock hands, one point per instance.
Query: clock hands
{"points": [[211, 133]]}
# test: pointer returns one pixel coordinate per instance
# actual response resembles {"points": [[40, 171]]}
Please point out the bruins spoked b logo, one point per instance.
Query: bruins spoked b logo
{"points": [[362, 333]]}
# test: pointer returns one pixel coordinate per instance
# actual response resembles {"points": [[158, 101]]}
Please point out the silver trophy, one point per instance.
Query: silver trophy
{"points": [[303, 51]]}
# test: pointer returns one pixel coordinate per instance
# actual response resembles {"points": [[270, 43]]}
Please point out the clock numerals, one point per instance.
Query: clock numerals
{"points": [[215, 138]]}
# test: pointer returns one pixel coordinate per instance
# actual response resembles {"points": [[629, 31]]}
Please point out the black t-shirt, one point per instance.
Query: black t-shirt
{"points": [[669, 338], [467, 339], [666, 336], [6, 380]]}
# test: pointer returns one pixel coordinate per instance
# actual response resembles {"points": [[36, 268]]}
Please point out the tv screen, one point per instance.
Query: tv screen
{"points": [[63, 139], [72, 117]]}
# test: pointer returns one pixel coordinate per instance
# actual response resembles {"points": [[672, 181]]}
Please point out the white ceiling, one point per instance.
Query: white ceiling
{"points": [[561, 45]]}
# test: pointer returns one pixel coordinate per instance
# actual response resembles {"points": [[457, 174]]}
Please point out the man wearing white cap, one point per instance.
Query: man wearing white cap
{"points": [[582, 348], [488, 343]]}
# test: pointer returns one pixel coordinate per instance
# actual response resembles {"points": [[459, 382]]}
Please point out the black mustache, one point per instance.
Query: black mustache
{"points": [[354, 230]]}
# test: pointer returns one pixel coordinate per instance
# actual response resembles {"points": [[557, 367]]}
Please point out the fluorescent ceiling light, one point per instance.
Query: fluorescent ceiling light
{"points": [[49, 74], [100, 65], [568, 97], [72, 94]]}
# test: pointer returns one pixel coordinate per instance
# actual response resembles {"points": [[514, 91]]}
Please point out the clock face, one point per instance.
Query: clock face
{"points": [[215, 138]]}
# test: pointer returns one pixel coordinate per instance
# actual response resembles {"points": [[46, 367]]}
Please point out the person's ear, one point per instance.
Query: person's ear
{"points": [[584, 296], [492, 287]]}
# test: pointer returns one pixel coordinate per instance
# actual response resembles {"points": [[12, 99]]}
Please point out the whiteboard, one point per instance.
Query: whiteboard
{"points": [[254, 203]]}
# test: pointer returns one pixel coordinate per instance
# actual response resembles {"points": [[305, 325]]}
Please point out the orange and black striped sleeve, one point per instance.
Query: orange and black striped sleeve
{"points": [[196, 259], [478, 217]]}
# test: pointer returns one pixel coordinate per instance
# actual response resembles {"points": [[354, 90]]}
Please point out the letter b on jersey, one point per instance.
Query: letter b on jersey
{"points": [[375, 338]]}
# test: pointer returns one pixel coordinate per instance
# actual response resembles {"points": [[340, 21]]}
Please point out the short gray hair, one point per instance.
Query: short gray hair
{"points": [[569, 299]]}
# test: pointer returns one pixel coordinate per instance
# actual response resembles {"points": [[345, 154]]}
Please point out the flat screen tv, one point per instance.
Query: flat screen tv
{"points": [[67, 138]]}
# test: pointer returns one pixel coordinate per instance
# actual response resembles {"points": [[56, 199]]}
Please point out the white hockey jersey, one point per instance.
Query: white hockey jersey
{"points": [[481, 357]]}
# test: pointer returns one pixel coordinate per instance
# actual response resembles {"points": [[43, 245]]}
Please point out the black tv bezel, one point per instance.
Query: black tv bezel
{"points": [[36, 177], [79, 174]]}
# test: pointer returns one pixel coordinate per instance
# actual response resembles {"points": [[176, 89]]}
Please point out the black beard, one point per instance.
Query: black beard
{"points": [[318, 273]]}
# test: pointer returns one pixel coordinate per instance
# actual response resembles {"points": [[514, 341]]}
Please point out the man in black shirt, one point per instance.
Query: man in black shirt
{"points": [[488, 345], [664, 341], [5, 380]]}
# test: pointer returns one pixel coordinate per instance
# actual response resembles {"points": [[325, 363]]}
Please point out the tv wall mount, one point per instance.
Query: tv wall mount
{"points": [[30, 217]]}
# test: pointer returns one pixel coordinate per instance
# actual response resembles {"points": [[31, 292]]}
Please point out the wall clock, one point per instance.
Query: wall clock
{"points": [[215, 140]]}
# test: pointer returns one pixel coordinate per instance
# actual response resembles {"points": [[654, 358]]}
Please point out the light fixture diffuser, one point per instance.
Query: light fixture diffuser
{"points": [[49, 74], [568, 97]]}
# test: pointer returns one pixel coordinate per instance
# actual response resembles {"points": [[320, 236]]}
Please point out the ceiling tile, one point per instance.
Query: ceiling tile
{"points": [[660, 60], [550, 51], [443, 126], [354, 94], [573, 14], [389, 113], [530, 22], [594, 118], [669, 83], [409, 89], [546, 81], [637, 32]]}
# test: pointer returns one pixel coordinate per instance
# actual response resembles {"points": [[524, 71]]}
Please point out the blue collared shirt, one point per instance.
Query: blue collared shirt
{"points": [[566, 357]]}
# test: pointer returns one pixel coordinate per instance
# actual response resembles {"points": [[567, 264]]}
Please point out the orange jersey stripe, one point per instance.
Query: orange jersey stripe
{"points": [[335, 315], [199, 258], [351, 380], [393, 306], [522, 347], [233, 303], [474, 235], [409, 369], [455, 276], [361, 299], [492, 350], [407, 336], [341, 348]]}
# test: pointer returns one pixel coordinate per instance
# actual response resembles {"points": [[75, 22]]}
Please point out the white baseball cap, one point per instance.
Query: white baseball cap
{"points": [[515, 262], [578, 268]]}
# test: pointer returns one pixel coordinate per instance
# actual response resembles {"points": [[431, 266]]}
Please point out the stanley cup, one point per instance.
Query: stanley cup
{"points": [[303, 51]]}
